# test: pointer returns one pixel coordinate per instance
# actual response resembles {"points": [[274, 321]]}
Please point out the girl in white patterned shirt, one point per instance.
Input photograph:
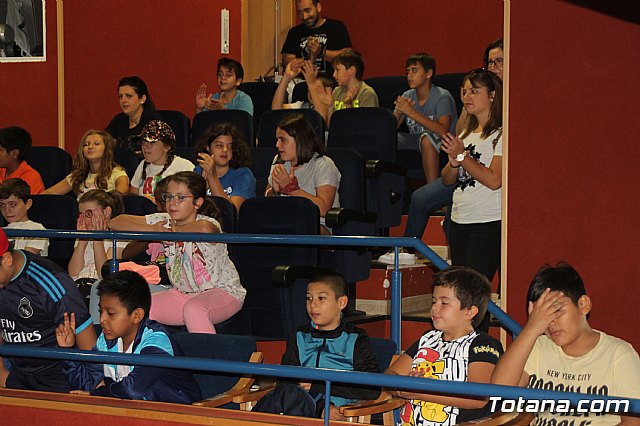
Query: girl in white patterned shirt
{"points": [[206, 286]]}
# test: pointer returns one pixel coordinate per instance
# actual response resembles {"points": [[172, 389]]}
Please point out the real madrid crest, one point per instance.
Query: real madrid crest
{"points": [[24, 309]]}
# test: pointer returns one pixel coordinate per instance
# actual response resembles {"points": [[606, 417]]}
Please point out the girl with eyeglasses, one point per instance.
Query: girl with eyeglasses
{"points": [[223, 157], [475, 168], [206, 286], [93, 167], [158, 143]]}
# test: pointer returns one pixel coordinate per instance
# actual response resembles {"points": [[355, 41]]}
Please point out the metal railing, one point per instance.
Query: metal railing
{"points": [[327, 376]]}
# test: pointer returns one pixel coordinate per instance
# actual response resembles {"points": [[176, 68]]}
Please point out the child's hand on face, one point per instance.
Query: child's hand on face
{"points": [[546, 309], [66, 332], [99, 221]]}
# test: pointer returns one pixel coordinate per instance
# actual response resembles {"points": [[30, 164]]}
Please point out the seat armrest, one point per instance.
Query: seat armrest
{"points": [[285, 275], [338, 216], [374, 168], [385, 402]]}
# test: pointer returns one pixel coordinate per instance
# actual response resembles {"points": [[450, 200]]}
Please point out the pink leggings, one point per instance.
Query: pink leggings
{"points": [[198, 311]]}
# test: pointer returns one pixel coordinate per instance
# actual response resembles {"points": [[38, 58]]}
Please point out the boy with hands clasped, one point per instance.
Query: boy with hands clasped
{"points": [[558, 349]]}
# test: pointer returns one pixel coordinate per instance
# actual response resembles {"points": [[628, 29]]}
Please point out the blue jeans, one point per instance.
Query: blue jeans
{"points": [[424, 201]]}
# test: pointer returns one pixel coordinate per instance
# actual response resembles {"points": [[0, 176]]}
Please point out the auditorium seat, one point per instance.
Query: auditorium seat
{"points": [[388, 88], [261, 94], [56, 212], [53, 163], [204, 120], [218, 389], [179, 123], [372, 132]]}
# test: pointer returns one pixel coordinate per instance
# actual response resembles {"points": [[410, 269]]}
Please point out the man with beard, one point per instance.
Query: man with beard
{"points": [[316, 38]]}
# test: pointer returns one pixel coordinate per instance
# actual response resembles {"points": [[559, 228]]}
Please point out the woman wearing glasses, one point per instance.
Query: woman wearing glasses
{"points": [[93, 168], [206, 286], [475, 167], [158, 142]]}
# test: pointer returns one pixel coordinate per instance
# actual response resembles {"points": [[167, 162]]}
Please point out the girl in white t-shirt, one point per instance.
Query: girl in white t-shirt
{"points": [[206, 286], [93, 167], [158, 143], [475, 167]]}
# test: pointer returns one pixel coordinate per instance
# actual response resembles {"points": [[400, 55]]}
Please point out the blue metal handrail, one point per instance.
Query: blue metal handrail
{"points": [[308, 374], [328, 376], [321, 240]]}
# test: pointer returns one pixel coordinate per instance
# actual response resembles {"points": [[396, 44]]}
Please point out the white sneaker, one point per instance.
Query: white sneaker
{"points": [[404, 258]]}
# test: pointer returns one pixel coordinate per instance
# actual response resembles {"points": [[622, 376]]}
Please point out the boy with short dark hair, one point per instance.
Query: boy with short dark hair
{"points": [[453, 350], [557, 349], [351, 92], [15, 143], [429, 112], [15, 202], [344, 346], [230, 75], [125, 302]]}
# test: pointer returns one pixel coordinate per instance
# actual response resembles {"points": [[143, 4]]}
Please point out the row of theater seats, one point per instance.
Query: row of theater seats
{"points": [[261, 93], [262, 314]]}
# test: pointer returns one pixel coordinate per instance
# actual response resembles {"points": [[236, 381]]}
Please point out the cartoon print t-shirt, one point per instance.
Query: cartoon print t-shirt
{"points": [[439, 359], [146, 187]]}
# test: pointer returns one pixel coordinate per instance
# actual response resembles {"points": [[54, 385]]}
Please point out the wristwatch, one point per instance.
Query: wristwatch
{"points": [[460, 157]]}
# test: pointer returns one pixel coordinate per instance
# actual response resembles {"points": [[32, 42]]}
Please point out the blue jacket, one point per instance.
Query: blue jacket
{"points": [[345, 348], [147, 383]]}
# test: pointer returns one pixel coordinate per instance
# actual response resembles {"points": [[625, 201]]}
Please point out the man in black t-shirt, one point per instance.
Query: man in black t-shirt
{"points": [[316, 38], [34, 295]]}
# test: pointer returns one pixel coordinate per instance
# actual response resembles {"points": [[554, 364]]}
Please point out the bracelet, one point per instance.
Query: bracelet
{"points": [[291, 186], [452, 166], [272, 191]]}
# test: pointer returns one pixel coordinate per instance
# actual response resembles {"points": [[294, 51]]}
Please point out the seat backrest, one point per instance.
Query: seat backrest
{"points": [[204, 120], [179, 123], [270, 119], [138, 205], [215, 346], [127, 159], [452, 83], [187, 152], [262, 159], [388, 89], [352, 181], [384, 350], [261, 94], [53, 163], [228, 212], [299, 93], [56, 212], [280, 216], [370, 131]]}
